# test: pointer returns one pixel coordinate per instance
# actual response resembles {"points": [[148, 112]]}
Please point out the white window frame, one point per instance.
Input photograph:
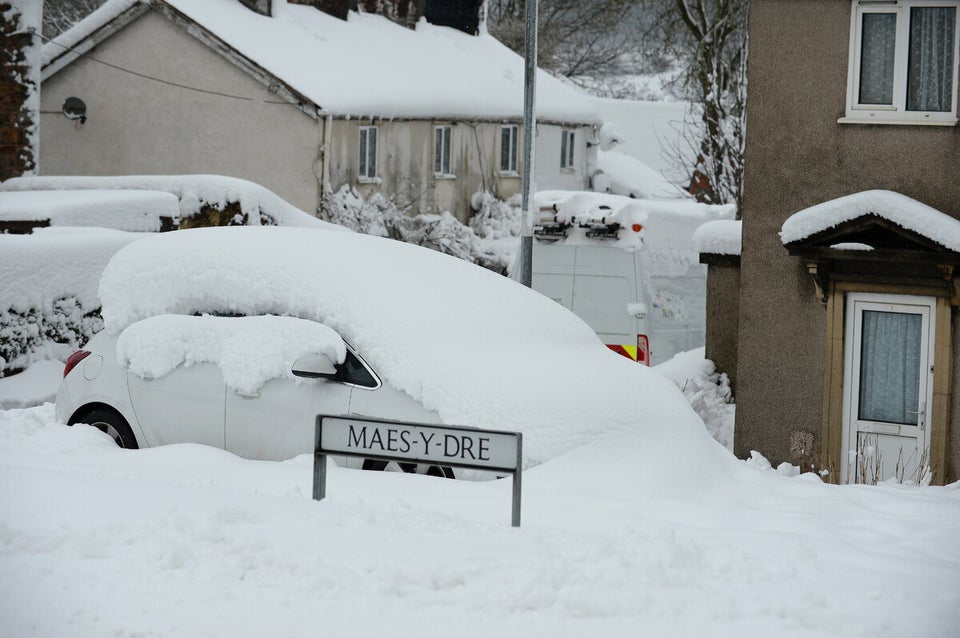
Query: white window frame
{"points": [[567, 143], [367, 160], [896, 113], [513, 149], [442, 138]]}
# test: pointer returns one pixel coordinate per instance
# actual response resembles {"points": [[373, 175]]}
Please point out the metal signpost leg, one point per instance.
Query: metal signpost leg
{"points": [[319, 476], [515, 518]]}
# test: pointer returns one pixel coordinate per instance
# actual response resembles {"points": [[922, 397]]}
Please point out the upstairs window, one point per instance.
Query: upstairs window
{"points": [[903, 62], [368, 152], [508, 148], [566, 149], [441, 150]]}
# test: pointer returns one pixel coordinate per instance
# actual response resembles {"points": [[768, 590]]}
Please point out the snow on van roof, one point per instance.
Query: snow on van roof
{"points": [[895, 207], [392, 71], [193, 191], [721, 237], [667, 225], [130, 210], [475, 347]]}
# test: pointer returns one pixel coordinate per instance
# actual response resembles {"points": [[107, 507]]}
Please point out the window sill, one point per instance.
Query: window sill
{"points": [[920, 121], [443, 176], [509, 174], [369, 180]]}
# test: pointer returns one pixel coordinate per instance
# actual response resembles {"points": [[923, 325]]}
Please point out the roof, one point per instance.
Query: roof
{"points": [[366, 66], [721, 237], [899, 210]]}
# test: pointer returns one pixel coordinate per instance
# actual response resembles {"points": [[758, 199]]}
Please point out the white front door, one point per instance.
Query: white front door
{"points": [[888, 385]]}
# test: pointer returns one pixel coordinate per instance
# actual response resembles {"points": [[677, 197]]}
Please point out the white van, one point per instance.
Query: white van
{"points": [[626, 267]]}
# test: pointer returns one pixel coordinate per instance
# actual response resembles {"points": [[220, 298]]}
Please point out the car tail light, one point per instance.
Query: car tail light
{"points": [[73, 360], [643, 350]]}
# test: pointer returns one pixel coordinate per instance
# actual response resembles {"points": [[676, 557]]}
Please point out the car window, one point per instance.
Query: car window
{"points": [[353, 371]]}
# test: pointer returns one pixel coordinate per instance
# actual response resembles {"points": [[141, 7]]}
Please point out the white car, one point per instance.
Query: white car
{"points": [[196, 404], [239, 337]]}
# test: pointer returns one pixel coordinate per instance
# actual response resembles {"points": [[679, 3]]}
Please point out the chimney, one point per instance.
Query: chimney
{"points": [[263, 7]]}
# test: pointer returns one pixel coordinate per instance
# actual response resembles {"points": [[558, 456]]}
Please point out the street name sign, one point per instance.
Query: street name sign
{"points": [[453, 446]]}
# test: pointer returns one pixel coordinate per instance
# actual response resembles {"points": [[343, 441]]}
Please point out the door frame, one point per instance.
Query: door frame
{"points": [[857, 303], [830, 452]]}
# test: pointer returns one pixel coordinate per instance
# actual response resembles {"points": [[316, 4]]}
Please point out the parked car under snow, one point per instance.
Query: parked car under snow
{"points": [[238, 337]]}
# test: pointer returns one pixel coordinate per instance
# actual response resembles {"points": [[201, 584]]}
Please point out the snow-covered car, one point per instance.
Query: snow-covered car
{"points": [[238, 337]]}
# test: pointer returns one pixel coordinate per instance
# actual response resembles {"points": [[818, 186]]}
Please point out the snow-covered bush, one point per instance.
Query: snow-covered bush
{"points": [[494, 218], [708, 393], [494, 221], [51, 331]]}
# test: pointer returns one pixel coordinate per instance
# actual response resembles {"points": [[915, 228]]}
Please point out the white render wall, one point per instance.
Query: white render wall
{"points": [[405, 162], [139, 126]]}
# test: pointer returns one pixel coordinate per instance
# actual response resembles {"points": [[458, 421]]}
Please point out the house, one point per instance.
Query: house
{"points": [[306, 100], [846, 338]]}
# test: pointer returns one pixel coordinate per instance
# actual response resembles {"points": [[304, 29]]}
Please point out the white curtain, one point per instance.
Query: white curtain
{"points": [[878, 41], [890, 367], [930, 67]]}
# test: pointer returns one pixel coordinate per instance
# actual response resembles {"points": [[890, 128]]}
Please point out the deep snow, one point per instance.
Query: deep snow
{"points": [[634, 536]]}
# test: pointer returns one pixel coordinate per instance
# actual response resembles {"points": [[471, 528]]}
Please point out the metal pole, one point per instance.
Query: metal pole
{"points": [[529, 133], [517, 476], [319, 465]]}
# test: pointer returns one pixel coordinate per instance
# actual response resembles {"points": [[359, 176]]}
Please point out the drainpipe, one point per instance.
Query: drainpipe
{"points": [[325, 171]]}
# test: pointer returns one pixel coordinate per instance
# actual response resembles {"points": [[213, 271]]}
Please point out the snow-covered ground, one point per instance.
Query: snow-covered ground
{"points": [[628, 537]]}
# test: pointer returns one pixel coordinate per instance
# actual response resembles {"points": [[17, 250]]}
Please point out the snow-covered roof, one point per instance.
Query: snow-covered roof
{"points": [[193, 191], [721, 237], [903, 211], [130, 210], [370, 66], [431, 325], [626, 175]]}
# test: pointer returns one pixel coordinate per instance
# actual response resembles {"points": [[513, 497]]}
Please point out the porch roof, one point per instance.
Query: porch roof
{"points": [[860, 221]]}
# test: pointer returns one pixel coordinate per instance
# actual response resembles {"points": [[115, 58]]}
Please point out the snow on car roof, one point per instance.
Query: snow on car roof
{"points": [[130, 210], [475, 347], [248, 350], [895, 207]]}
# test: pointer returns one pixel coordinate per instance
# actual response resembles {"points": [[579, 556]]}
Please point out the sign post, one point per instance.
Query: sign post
{"points": [[453, 446]]}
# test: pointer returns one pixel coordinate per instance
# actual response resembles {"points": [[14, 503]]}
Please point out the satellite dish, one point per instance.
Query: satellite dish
{"points": [[75, 109]]}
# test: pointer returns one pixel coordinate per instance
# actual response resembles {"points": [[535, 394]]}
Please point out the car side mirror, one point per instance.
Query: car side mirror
{"points": [[315, 366]]}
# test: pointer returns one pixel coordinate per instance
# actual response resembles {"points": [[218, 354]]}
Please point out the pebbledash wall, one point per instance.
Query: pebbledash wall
{"points": [[798, 155], [139, 126]]}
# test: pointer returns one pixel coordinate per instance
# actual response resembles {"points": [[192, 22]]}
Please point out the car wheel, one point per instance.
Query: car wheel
{"points": [[410, 468], [112, 424]]}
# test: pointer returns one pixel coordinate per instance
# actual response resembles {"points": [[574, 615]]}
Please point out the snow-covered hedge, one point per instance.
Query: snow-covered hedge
{"points": [[479, 243], [221, 200], [48, 293]]}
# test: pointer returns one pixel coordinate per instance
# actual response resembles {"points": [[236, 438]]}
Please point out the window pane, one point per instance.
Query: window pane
{"points": [[504, 148], [570, 150], [371, 152], [437, 150], [879, 37], [363, 152], [890, 367], [446, 150], [930, 67], [563, 149]]}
